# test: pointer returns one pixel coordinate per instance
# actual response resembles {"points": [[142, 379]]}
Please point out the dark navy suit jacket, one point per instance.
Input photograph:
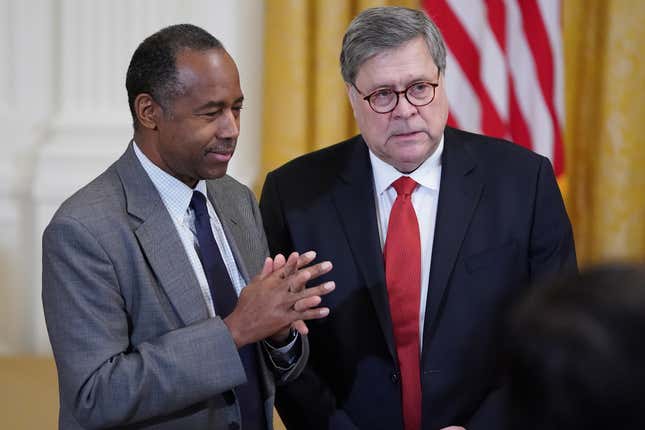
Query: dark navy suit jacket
{"points": [[501, 224]]}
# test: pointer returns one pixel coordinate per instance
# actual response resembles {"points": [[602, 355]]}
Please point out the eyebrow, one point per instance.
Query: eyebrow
{"points": [[410, 82], [390, 86], [217, 105]]}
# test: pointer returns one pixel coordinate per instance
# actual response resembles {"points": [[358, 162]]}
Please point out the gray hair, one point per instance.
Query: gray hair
{"points": [[381, 28]]}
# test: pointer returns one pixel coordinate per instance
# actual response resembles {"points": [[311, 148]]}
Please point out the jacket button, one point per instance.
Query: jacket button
{"points": [[395, 378], [229, 397], [233, 426]]}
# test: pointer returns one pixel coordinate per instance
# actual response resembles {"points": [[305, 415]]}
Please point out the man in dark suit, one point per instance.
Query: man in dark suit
{"points": [[142, 268], [431, 230]]}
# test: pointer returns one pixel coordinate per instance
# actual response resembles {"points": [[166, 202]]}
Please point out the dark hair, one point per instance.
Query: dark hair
{"points": [[152, 67], [577, 354]]}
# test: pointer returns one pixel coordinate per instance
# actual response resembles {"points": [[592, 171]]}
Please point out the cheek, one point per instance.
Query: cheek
{"points": [[440, 111], [371, 122], [199, 136]]}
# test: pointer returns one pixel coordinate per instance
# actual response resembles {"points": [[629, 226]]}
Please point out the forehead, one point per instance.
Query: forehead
{"points": [[398, 66], [202, 72]]}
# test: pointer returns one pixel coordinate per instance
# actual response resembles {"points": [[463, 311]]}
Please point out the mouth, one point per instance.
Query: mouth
{"points": [[220, 156], [407, 135]]}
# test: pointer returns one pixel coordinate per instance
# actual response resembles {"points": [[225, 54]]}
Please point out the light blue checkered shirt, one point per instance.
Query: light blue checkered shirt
{"points": [[176, 197]]}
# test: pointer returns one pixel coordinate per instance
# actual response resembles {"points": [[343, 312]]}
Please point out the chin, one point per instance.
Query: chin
{"points": [[218, 175], [215, 171], [406, 167], [407, 164], [412, 159], [213, 174]]}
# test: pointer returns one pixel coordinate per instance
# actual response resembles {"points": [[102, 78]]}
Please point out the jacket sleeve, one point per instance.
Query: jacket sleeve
{"points": [[299, 354], [104, 379], [552, 249], [551, 252], [306, 401]]}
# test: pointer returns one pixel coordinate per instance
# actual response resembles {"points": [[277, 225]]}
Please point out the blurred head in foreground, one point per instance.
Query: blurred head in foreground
{"points": [[577, 351]]}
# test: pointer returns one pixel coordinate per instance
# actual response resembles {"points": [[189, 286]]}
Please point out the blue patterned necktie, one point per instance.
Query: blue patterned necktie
{"points": [[219, 281], [224, 300]]}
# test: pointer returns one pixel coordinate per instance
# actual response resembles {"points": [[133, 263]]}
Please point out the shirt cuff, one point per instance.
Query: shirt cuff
{"points": [[284, 357]]}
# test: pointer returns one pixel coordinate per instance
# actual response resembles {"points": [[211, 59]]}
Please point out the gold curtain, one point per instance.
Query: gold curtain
{"points": [[305, 103], [604, 133]]}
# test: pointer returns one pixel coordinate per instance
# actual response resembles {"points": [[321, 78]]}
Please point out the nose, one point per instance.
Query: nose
{"points": [[404, 109], [229, 126]]}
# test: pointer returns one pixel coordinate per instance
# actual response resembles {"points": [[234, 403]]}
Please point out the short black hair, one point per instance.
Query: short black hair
{"points": [[152, 68], [577, 355]]}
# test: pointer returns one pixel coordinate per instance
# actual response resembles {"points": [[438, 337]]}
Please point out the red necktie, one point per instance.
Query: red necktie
{"points": [[403, 279]]}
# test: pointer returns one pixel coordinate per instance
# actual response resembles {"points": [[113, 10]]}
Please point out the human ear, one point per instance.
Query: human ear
{"points": [[351, 94], [148, 111]]}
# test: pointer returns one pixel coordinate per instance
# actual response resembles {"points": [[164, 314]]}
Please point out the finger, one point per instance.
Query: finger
{"points": [[307, 303], [279, 277], [267, 268], [291, 266], [319, 290], [312, 272], [279, 261], [300, 327], [306, 258], [313, 314]]}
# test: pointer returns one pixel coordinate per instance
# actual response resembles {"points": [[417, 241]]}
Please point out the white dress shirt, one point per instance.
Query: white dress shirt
{"points": [[176, 197], [424, 200]]}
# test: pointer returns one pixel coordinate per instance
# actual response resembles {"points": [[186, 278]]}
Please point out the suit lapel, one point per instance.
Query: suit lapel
{"points": [[160, 241], [228, 212], [228, 215], [460, 191], [354, 200]]}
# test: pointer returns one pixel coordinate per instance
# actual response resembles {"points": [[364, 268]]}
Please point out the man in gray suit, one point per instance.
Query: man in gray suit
{"points": [[142, 268]]}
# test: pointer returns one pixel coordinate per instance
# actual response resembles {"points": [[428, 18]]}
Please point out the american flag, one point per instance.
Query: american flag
{"points": [[505, 70]]}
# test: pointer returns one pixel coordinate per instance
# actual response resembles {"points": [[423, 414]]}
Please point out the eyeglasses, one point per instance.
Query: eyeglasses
{"points": [[385, 100]]}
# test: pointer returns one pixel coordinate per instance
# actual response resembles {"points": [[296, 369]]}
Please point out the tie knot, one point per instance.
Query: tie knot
{"points": [[404, 185], [198, 204]]}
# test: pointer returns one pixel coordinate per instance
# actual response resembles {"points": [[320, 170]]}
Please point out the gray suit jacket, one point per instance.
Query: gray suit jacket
{"points": [[127, 321]]}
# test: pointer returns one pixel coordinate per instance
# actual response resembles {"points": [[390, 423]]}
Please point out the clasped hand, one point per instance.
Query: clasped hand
{"points": [[277, 299]]}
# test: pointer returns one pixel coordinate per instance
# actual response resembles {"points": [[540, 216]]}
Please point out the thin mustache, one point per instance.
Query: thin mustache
{"points": [[222, 148]]}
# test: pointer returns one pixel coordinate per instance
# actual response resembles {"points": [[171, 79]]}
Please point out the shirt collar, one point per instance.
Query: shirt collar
{"points": [[175, 194], [428, 174]]}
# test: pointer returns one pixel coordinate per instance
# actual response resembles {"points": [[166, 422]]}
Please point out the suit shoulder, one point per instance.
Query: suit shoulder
{"points": [[318, 162], [98, 208], [229, 186], [494, 152], [103, 193]]}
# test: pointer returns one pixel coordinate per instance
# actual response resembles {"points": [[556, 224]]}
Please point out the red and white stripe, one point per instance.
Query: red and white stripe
{"points": [[504, 73]]}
